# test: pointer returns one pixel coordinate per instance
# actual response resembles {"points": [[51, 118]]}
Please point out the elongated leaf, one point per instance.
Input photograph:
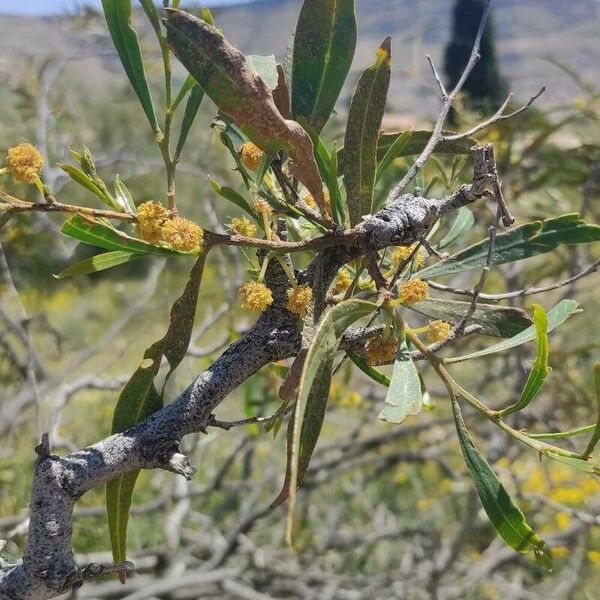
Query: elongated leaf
{"points": [[556, 316], [228, 80], [404, 396], [189, 114], [97, 263], [389, 147], [372, 372], [324, 46], [333, 184], [582, 464], [125, 39], [305, 428], [531, 239], [463, 222], [123, 197], [540, 368], [362, 132], [150, 9], [96, 233], [596, 435], [140, 398], [498, 321], [392, 153], [505, 516], [88, 183], [186, 86]]}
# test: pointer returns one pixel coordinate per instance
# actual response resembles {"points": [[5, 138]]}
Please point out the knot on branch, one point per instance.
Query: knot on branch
{"points": [[402, 222]]}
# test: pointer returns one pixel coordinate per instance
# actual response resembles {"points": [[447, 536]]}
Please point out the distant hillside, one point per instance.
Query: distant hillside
{"points": [[529, 31]]}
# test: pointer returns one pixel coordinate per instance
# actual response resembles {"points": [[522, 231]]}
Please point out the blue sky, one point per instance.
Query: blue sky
{"points": [[40, 7]]}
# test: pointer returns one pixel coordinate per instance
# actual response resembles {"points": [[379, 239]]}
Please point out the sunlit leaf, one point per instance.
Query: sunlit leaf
{"points": [[100, 262], [87, 181], [404, 396], [123, 197], [540, 368], [324, 45], [556, 316], [125, 39], [505, 516], [265, 67]]}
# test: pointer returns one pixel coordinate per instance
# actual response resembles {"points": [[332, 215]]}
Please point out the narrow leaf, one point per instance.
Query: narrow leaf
{"points": [[123, 197], [125, 39], [324, 45], [231, 195], [97, 233], [362, 132], [140, 398], [556, 316], [463, 222], [313, 390], [531, 239], [540, 368], [189, 114], [498, 321], [100, 262], [404, 396], [505, 516], [393, 152], [373, 373], [596, 434], [88, 183]]}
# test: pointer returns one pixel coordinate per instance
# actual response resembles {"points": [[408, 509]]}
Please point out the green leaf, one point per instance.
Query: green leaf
{"points": [[324, 45], [531, 239], [596, 434], [373, 373], [97, 233], [498, 321], [140, 398], [392, 153], [150, 9], [404, 396], [87, 181], [540, 368], [231, 195], [333, 185], [313, 391], [125, 39], [582, 464], [265, 67], [100, 262], [124, 198], [362, 132], [505, 516], [189, 114], [463, 222], [186, 86], [556, 316]]}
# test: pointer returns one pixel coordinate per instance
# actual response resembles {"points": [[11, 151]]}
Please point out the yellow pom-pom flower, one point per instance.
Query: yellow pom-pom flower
{"points": [[342, 282], [414, 290], [242, 226], [381, 349], [182, 234], [151, 218], [25, 162], [403, 252], [438, 331], [251, 155], [299, 299], [262, 207], [255, 296]]}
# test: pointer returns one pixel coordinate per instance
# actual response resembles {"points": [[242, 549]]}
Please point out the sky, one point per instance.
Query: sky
{"points": [[41, 7]]}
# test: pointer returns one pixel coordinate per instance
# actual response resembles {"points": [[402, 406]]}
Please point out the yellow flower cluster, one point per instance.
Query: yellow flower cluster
{"points": [[255, 296], [414, 290], [299, 299], [251, 156], [25, 162], [182, 234], [403, 252], [262, 207], [438, 331], [594, 558], [242, 226], [380, 350], [155, 226], [342, 282]]}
